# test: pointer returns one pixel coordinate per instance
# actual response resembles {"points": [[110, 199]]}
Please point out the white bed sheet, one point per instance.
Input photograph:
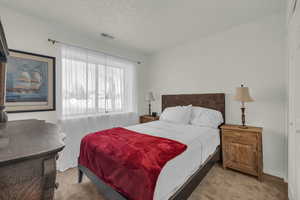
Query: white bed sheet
{"points": [[201, 142]]}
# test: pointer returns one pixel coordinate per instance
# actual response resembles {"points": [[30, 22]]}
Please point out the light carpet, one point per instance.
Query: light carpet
{"points": [[219, 184]]}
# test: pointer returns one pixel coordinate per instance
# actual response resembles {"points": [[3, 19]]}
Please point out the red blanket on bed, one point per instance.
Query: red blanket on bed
{"points": [[128, 161]]}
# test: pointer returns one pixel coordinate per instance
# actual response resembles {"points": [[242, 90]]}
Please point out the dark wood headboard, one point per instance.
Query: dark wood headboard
{"points": [[214, 101]]}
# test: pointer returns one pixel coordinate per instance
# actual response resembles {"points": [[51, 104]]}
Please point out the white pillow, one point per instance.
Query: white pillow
{"points": [[206, 117], [177, 114]]}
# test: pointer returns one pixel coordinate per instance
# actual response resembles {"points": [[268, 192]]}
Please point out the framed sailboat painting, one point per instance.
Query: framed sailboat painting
{"points": [[30, 82]]}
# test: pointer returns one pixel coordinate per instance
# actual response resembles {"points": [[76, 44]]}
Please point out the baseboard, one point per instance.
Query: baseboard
{"points": [[274, 178], [274, 173]]}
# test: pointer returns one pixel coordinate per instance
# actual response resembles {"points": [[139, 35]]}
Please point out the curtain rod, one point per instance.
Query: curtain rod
{"points": [[128, 59]]}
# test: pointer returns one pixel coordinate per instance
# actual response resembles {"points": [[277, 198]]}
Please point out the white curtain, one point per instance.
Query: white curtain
{"points": [[76, 128], [95, 83], [95, 92]]}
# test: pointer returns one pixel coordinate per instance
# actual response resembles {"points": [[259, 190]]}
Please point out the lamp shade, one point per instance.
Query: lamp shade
{"points": [[242, 94], [149, 96]]}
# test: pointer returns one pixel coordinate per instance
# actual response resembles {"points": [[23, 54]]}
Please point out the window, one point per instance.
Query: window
{"points": [[94, 83]]}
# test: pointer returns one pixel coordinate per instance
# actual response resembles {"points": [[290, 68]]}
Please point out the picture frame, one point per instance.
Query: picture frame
{"points": [[30, 82]]}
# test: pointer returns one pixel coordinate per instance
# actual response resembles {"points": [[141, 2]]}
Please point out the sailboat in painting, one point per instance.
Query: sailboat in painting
{"points": [[27, 83]]}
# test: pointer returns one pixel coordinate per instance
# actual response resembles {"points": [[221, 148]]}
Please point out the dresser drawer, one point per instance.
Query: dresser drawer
{"points": [[31, 179], [240, 137]]}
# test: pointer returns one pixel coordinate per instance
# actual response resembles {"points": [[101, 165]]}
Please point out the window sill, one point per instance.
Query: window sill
{"points": [[96, 115]]}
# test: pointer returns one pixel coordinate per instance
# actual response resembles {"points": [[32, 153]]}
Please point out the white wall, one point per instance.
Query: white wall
{"points": [[30, 34], [253, 54]]}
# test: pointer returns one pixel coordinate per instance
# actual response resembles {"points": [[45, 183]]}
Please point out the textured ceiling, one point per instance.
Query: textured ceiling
{"points": [[148, 25]]}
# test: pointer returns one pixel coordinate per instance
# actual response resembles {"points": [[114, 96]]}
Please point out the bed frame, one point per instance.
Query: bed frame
{"points": [[214, 101]]}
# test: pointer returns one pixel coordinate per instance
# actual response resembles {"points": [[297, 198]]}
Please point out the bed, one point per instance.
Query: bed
{"points": [[181, 175]]}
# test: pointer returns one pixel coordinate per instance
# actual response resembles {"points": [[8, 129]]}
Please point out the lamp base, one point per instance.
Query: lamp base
{"points": [[149, 108], [243, 127]]}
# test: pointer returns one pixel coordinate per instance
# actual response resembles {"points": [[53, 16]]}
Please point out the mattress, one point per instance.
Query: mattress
{"points": [[201, 142]]}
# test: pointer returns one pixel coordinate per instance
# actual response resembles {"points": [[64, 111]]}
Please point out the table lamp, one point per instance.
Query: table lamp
{"points": [[149, 97], [242, 95]]}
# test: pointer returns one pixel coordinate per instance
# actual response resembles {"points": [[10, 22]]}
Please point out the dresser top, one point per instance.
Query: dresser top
{"points": [[25, 139], [238, 128]]}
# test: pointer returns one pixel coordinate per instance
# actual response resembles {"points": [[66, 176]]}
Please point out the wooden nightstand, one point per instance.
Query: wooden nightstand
{"points": [[242, 149], [148, 118]]}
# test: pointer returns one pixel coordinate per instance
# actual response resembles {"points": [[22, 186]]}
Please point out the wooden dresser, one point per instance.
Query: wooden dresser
{"points": [[148, 118], [28, 153], [242, 149]]}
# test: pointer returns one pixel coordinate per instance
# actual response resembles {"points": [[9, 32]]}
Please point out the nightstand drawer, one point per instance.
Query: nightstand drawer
{"points": [[148, 118], [145, 120], [240, 137]]}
